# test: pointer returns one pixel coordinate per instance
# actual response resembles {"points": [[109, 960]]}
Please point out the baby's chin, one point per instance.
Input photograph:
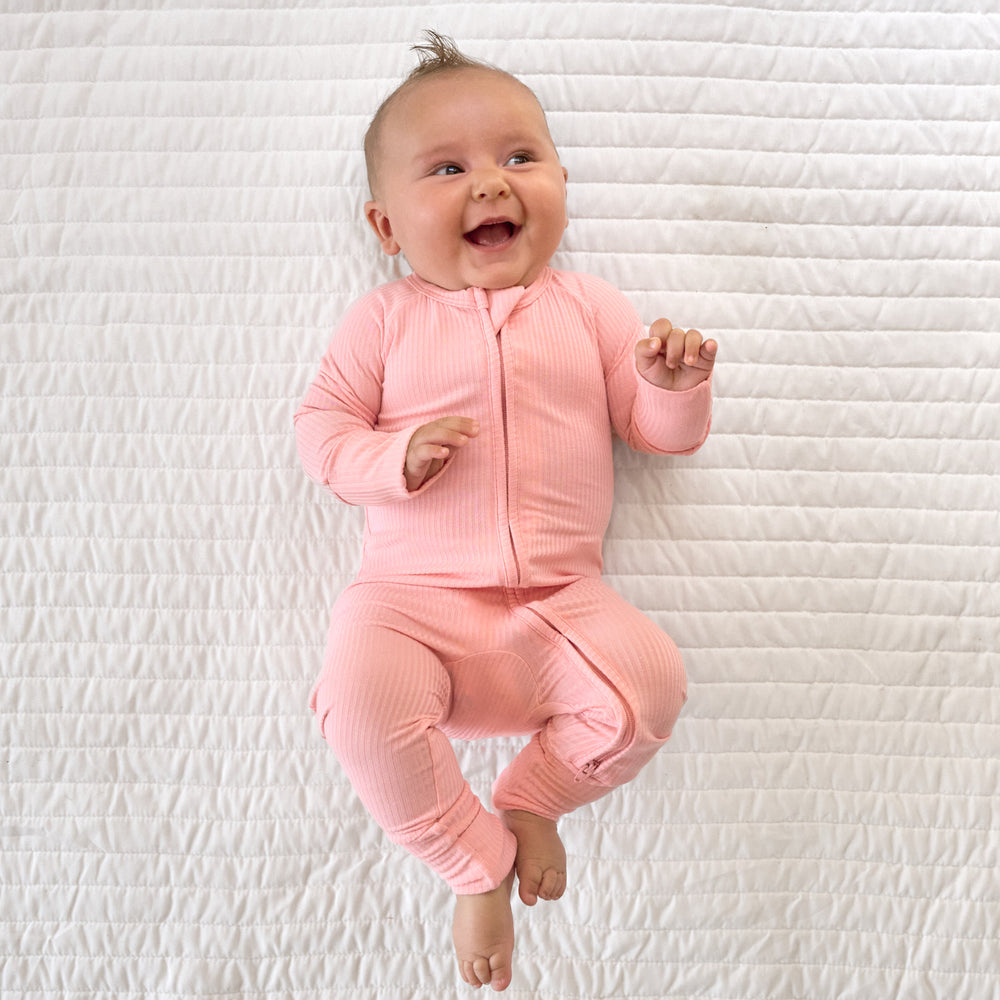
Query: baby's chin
{"points": [[482, 272]]}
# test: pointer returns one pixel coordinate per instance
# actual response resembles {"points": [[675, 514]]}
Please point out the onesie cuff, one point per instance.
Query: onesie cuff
{"points": [[671, 421], [372, 473], [427, 483]]}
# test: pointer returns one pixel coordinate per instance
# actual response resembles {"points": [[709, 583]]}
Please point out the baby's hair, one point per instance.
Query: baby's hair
{"points": [[438, 54]]}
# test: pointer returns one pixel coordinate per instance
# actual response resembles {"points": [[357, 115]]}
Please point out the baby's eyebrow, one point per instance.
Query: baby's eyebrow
{"points": [[441, 152], [447, 150]]}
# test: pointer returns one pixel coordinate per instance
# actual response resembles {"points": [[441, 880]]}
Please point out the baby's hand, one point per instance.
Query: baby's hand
{"points": [[431, 445], [674, 359]]}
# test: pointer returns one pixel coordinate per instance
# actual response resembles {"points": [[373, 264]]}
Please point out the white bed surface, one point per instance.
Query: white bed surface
{"points": [[813, 184]]}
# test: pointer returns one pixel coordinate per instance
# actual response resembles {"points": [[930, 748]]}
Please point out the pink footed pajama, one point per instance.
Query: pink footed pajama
{"points": [[478, 609]]}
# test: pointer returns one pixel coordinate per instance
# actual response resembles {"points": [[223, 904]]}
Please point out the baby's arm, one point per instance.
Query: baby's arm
{"points": [[432, 444], [654, 408], [673, 358]]}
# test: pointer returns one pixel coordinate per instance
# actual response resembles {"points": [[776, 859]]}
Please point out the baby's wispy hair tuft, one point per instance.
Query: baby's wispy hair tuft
{"points": [[440, 53]]}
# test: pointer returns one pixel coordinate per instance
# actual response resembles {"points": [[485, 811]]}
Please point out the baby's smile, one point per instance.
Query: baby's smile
{"points": [[492, 234]]}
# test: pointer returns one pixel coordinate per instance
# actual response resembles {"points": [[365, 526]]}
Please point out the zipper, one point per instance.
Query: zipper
{"points": [[628, 731], [627, 734], [506, 460]]}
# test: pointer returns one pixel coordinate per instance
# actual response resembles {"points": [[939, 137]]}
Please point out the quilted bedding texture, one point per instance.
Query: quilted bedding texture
{"points": [[816, 185]]}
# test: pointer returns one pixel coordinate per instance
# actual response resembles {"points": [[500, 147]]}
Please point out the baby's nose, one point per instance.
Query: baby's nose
{"points": [[488, 186]]}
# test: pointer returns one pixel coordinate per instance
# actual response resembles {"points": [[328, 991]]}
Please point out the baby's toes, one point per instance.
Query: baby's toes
{"points": [[552, 885], [529, 880], [535, 882], [482, 971], [495, 971], [500, 971], [468, 973]]}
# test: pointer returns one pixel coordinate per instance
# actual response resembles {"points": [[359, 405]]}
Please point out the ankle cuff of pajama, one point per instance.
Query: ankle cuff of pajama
{"points": [[468, 847]]}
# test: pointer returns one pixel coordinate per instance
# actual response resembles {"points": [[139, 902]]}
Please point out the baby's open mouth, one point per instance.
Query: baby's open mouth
{"points": [[492, 234]]}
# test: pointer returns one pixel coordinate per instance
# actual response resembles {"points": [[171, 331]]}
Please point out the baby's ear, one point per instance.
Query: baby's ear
{"points": [[380, 224]]}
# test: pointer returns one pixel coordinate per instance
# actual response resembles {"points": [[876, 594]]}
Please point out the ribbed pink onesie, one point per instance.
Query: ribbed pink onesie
{"points": [[478, 609]]}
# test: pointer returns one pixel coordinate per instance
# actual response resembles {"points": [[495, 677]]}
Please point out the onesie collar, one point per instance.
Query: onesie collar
{"points": [[498, 302]]}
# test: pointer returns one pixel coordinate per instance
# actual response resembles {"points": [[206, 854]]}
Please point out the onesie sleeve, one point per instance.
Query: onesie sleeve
{"points": [[336, 425], [668, 422], [647, 417]]}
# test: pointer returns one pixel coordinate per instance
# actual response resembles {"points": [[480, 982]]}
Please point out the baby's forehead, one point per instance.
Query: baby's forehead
{"points": [[449, 87], [419, 100]]}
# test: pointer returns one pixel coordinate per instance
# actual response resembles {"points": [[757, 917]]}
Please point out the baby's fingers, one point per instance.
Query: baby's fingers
{"points": [[419, 456], [431, 445], [681, 347], [708, 351], [687, 347], [448, 432], [464, 427]]}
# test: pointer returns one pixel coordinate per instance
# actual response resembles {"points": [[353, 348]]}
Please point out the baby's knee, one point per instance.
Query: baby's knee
{"points": [[370, 706], [341, 728], [659, 691]]}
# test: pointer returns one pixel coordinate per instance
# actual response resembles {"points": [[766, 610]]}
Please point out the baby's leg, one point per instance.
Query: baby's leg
{"points": [[620, 683], [380, 701]]}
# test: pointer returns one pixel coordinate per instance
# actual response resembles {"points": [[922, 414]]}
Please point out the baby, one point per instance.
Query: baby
{"points": [[470, 408]]}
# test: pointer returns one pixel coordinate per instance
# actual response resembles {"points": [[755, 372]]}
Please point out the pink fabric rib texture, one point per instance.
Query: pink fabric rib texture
{"points": [[478, 609], [548, 372], [596, 684]]}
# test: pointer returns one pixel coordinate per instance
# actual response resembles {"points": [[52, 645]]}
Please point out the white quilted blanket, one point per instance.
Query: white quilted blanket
{"points": [[816, 185]]}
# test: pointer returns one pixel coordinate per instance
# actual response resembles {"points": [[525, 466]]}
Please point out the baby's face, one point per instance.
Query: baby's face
{"points": [[470, 187]]}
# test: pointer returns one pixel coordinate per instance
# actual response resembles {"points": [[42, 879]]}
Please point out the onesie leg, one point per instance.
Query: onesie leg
{"points": [[621, 680], [380, 701]]}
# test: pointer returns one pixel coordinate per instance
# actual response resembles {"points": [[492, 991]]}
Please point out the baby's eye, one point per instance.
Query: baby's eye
{"points": [[447, 170], [518, 159]]}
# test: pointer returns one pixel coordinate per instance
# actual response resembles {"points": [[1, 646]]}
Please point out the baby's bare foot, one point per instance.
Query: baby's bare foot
{"points": [[541, 858], [483, 933]]}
